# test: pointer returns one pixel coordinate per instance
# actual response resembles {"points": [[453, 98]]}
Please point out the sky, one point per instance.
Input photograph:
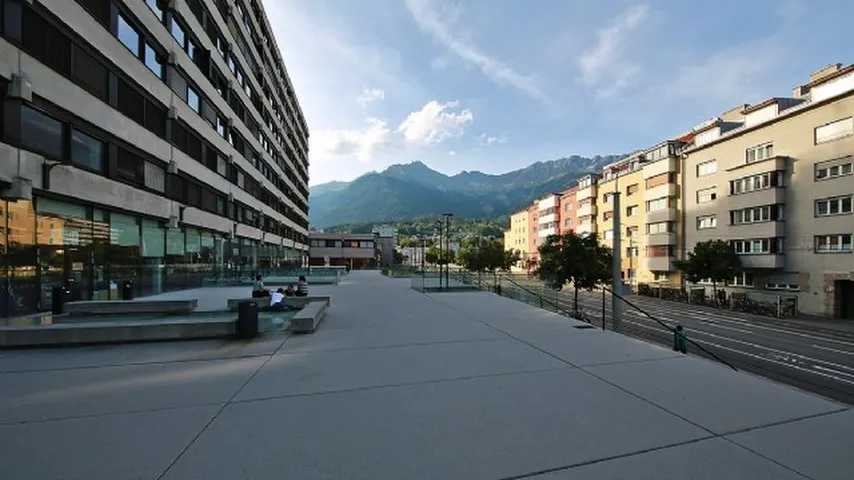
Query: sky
{"points": [[497, 85]]}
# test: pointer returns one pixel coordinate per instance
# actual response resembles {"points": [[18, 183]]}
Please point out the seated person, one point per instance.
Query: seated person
{"points": [[277, 300], [290, 292], [302, 287], [258, 289]]}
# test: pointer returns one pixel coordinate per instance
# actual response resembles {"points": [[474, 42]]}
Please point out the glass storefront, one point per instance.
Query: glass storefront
{"points": [[46, 243]]}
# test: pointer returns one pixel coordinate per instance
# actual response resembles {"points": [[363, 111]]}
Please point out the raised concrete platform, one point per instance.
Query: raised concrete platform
{"points": [[309, 317], [115, 331], [399, 384], [110, 307]]}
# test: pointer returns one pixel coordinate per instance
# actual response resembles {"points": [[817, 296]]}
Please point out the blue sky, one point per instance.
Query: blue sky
{"points": [[497, 85]]}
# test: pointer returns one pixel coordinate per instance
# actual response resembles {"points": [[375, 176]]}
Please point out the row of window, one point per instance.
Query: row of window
{"points": [[321, 243], [765, 213], [756, 182], [841, 205], [758, 246], [834, 168]]}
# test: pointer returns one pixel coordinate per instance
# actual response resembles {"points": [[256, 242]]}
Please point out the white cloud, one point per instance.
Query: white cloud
{"points": [[604, 65], [434, 123], [437, 24], [487, 140], [452, 153], [359, 143], [370, 95]]}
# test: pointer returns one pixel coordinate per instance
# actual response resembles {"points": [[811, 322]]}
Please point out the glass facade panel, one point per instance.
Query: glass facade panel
{"points": [[128, 35], [86, 151], [41, 133]]}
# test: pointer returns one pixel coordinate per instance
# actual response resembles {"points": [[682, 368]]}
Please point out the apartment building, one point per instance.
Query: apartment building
{"points": [[585, 201], [516, 237], [354, 251], [568, 210], [775, 180], [624, 177], [533, 235], [151, 142]]}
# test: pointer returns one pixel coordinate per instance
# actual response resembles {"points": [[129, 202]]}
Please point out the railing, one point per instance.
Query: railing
{"points": [[772, 305], [532, 291]]}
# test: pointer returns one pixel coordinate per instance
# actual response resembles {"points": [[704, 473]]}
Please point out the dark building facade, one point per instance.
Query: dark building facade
{"points": [[152, 142]]}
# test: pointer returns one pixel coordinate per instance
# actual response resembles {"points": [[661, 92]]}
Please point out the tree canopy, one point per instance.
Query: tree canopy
{"points": [[714, 260], [477, 254], [580, 260]]}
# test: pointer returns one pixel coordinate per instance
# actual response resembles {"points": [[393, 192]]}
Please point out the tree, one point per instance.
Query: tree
{"points": [[434, 256], [714, 260], [478, 254], [573, 258]]}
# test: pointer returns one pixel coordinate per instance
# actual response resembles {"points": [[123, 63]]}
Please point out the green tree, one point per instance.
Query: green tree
{"points": [[580, 260], [478, 254], [714, 260], [438, 257]]}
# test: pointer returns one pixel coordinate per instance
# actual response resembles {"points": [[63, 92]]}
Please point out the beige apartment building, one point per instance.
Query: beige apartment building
{"points": [[585, 203], [775, 180], [516, 238]]}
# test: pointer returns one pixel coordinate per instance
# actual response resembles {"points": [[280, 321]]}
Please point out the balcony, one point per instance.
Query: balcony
{"points": [[662, 215], [660, 264], [665, 190], [545, 232], [584, 193], [659, 167], [585, 210], [550, 218], [666, 238], [763, 261], [769, 196], [587, 227], [759, 230]]}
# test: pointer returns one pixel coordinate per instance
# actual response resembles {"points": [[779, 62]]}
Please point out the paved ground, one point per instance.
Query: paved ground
{"points": [[397, 384], [813, 355]]}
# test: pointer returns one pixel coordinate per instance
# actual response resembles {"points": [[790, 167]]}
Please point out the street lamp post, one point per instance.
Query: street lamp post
{"points": [[448, 244]]}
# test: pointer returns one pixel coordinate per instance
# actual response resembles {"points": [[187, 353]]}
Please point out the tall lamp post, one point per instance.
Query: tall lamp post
{"points": [[448, 245]]}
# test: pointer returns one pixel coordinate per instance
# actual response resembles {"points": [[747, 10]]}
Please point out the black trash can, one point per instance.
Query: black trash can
{"points": [[127, 290], [59, 295], [247, 319]]}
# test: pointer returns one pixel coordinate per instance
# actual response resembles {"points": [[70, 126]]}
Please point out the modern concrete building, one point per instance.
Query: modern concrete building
{"points": [[352, 250], [152, 142], [775, 180]]}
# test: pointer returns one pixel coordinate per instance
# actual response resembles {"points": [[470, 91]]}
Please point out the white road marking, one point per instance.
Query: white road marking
{"points": [[844, 352]]}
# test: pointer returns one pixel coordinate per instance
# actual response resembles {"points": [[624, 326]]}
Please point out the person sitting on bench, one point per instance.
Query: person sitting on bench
{"points": [[258, 289], [302, 287], [290, 292], [277, 300]]}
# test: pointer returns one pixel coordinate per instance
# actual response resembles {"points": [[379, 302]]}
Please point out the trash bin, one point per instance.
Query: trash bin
{"points": [[127, 290], [59, 295], [247, 319]]}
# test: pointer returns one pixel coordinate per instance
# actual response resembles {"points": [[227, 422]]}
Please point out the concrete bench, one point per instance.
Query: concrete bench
{"points": [[234, 303], [307, 319], [118, 331], [113, 307]]}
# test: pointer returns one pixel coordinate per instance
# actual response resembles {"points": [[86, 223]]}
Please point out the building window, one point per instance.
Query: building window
{"points": [[631, 211], [657, 204], [128, 35], [155, 7], [840, 243], [707, 195], [707, 221], [220, 126], [631, 189], [782, 286], [756, 182], [178, 33], [759, 153], [660, 179], [833, 168], [707, 168], [607, 216], [87, 152], [153, 61], [744, 279], [658, 227], [764, 213], [609, 235], [193, 99], [659, 251], [833, 206], [155, 177], [41, 133], [757, 246], [834, 130]]}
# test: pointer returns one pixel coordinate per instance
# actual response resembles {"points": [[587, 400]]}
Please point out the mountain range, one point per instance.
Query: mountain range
{"points": [[407, 191]]}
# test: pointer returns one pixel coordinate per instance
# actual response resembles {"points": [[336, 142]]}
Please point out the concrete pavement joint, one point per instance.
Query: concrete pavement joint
{"points": [[398, 385], [221, 409], [390, 346], [105, 414]]}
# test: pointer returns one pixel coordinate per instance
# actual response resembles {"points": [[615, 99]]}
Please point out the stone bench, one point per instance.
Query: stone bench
{"points": [[114, 307], [232, 304], [307, 319]]}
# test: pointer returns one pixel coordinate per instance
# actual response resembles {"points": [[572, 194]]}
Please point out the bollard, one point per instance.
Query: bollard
{"points": [[127, 290], [680, 340], [59, 295], [247, 319]]}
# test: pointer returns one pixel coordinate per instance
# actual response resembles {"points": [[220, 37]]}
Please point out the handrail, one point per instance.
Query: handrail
{"points": [[668, 327]]}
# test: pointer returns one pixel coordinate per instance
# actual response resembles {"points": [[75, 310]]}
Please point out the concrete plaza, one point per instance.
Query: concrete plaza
{"points": [[398, 384]]}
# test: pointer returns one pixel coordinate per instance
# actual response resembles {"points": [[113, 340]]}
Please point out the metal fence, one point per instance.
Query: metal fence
{"points": [[758, 303]]}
